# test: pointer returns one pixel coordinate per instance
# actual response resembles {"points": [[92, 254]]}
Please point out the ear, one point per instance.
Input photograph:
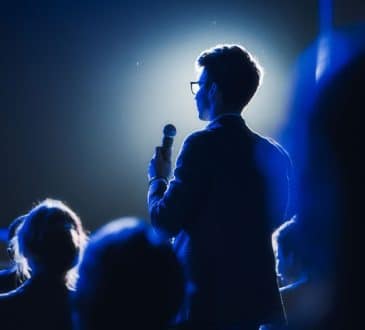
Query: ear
{"points": [[214, 93]]}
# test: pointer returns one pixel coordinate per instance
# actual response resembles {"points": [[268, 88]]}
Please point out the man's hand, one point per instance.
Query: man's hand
{"points": [[160, 164]]}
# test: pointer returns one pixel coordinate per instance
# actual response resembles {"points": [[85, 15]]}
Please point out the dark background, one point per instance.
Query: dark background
{"points": [[86, 87]]}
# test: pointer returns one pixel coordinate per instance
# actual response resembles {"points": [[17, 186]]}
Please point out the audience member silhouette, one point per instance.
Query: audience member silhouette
{"points": [[301, 294], [229, 191], [51, 239], [9, 278], [129, 279]]}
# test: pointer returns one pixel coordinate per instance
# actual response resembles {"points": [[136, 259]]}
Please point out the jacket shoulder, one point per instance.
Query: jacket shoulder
{"points": [[267, 146], [198, 137], [197, 142]]}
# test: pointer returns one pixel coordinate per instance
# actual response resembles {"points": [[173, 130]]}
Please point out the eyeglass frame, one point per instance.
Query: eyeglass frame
{"points": [[200, 83], [191, 86]]}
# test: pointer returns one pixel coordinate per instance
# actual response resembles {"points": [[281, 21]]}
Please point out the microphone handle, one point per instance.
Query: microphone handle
{"points": [[167, 142], [169, 133]]}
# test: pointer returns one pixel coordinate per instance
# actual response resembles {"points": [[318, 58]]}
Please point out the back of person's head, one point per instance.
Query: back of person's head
{"points": [[288, 245], [51, 238], [12, 231], [129, 279], [235, 71]]}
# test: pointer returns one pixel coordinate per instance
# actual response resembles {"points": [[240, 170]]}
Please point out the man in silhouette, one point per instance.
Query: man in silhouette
{"points": [[229, 190]]}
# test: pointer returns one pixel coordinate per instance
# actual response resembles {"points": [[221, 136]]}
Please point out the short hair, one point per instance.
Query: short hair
{"points": [[286, 236], [292, 238], [235, 71], [51, 236], [129, 277]]}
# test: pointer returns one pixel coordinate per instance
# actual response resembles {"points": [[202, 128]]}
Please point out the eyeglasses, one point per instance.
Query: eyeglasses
{"points": [[194, 87]]}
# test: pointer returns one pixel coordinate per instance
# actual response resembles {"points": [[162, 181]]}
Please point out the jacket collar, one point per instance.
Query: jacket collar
{"points": [[226, 118]]}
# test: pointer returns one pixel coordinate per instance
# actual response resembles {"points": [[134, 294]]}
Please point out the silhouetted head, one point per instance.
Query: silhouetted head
{"points": [[12, 231], [129, 279], [51, 238], [229, 79], [288, 248]]}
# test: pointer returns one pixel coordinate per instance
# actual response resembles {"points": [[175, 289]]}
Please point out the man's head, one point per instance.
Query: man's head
{"points": [[129, 277], [229, 78], [51, 237]]}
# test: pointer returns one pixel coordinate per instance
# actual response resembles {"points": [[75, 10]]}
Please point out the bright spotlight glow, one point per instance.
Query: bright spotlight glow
{"points": [[166, 76]]}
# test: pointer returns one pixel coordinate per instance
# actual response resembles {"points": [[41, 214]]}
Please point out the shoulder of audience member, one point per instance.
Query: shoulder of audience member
{"points": [[10, 296], [6, 271]]}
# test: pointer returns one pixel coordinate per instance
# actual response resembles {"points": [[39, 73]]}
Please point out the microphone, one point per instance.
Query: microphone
{"points": [[169, 132]]}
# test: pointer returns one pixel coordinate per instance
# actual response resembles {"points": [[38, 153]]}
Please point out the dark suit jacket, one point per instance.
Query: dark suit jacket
{"points": [[230, 188]]}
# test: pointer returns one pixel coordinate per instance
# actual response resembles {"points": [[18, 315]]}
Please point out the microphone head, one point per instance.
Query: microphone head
{"points": [[169, 130]]}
